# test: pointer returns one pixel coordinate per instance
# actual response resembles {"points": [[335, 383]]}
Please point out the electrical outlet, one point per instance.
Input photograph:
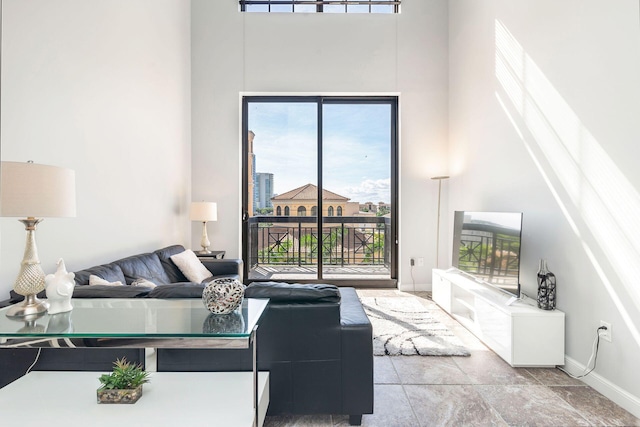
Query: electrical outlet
{"points": [[420, 262], [605, 334], [413, 262]]}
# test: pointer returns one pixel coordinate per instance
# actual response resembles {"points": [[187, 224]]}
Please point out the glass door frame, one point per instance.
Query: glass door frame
{"points": [[320, 101]]}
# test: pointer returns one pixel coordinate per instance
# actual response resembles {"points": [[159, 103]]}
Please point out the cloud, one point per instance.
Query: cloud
{"points": [[369, 190]]}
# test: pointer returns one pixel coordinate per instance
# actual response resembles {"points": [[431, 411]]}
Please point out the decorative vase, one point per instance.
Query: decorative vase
{"points": [[546, 287], [120, 395], [223, 296], [59, 289]]}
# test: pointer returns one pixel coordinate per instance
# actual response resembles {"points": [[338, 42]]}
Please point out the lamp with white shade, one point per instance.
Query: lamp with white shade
{"points": [[204, 212], [33, 192]]}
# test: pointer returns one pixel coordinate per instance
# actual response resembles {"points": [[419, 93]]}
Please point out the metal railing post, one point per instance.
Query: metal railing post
{"points": [[342, 244], [299, 244]]}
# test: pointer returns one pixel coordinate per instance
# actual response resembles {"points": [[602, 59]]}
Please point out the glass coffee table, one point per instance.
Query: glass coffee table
{"points": [[141, 323]]}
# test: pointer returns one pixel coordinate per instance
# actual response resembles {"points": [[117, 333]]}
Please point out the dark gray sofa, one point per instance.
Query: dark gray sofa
{"points": [[156, 267], [315, 340]]}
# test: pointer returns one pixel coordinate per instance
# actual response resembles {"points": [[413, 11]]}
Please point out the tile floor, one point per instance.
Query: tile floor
{"points": [[480, 390]]}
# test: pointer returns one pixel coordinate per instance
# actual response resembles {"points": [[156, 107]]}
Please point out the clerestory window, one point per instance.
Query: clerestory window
{"points": [[321, 6]]}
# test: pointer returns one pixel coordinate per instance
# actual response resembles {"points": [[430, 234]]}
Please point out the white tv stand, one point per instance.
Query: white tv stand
{"points": [[520, 333]]}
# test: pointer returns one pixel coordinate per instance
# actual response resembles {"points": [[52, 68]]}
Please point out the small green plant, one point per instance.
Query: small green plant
{"points": [[125, 375]]}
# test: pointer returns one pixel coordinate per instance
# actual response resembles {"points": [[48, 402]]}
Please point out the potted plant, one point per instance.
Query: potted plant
{"points": [[123, 384]]}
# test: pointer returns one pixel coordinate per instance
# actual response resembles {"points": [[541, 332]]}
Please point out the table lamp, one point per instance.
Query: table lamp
{"points": [[33, 191], [204, 211]]}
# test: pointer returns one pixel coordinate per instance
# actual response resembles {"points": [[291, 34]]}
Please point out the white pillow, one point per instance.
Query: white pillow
{"points": [[191, 266], [143, 282], [95, 280]]}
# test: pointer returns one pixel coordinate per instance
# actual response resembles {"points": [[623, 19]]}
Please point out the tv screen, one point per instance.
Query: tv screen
{"points": [[486, 245]]}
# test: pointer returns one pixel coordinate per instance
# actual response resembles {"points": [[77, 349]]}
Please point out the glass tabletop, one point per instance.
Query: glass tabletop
{"points": [[137, 318]]}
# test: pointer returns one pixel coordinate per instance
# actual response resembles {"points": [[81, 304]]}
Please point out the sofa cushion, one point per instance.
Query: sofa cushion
{"points": [[108, 272], [172, 270], [177, 290], [293, 292], [191, 266], [143, 266], [107, 291]]}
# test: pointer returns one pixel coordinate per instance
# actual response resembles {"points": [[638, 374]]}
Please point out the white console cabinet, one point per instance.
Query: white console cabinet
{"points": [[520, 333]]}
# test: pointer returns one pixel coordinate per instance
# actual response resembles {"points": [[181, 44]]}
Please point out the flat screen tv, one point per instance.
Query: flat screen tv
{"points": [[486, 245]]}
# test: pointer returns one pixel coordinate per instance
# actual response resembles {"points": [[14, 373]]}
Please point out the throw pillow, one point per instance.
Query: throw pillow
{"points": [[191, 266], [95, 280], [143, 282]]}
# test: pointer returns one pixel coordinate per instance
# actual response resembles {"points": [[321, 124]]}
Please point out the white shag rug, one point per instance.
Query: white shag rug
{"points": [[403, 326]]}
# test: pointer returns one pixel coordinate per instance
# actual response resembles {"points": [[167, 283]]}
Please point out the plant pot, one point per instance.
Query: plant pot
{"points": [[120, 396]]}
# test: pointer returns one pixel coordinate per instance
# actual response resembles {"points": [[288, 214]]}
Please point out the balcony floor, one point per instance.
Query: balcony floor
{"points": [[294, 272]]}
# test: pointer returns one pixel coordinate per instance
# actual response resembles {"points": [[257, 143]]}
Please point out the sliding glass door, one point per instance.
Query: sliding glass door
{"points": [[320, 189]]}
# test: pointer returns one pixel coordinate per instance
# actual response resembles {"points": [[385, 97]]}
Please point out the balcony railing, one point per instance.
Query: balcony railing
{"points": [[490, 255], [344, 241]]}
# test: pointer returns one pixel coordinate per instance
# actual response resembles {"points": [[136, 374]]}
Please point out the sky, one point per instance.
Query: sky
{"points": [[356, 147]]}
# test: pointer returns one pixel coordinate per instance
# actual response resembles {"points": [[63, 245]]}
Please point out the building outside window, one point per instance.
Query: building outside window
{"points": [[263, 190], [305, 199]]}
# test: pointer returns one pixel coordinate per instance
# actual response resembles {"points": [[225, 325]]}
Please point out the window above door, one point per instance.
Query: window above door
{"points": [[320, 6]]}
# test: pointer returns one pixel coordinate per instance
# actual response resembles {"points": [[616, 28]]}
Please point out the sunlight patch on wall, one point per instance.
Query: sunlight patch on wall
{"points": [[596, 264], [538, 165], [606, 200]]}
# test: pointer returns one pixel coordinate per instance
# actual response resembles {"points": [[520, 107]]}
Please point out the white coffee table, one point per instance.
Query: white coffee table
{"points": [[170, 399]]}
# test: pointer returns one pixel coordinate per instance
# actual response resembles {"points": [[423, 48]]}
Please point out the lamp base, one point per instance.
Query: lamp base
{"points": [[31, 306], [204, 242]]}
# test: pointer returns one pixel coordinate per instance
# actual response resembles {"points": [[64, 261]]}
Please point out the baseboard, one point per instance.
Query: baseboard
{"points": [[410, 287], [622, 397]]}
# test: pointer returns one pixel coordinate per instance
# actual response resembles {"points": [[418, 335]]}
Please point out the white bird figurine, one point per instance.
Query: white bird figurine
{"points": [[59, 289]]}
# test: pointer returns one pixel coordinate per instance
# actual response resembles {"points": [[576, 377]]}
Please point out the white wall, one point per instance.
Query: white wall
{"points": [[235, 53], [544, 103], [542, 121], [101, 87]]}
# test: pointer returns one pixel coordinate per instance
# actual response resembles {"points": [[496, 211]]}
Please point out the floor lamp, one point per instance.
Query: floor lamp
{"points": [[439, 179]]}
